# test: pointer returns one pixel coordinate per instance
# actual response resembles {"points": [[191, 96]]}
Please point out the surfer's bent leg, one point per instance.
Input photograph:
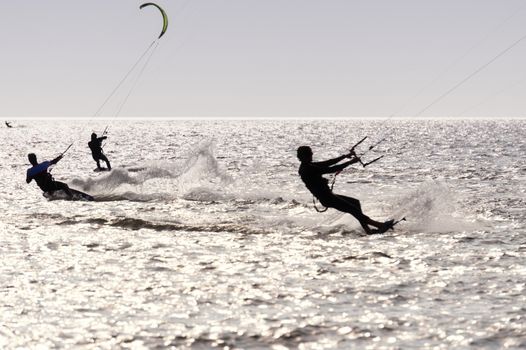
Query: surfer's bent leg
{"points": [[352, 206], [62, 186], [96, 158], [339, 203], [358, 206], [104, 158], [355, 202]]}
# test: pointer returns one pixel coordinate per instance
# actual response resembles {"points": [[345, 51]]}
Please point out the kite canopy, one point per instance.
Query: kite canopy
{"points": [[165, 17]]}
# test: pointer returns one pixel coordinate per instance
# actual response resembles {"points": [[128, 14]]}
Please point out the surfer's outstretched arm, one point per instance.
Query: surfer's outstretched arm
{"points": [[330, 162], [327, 163], [335, 168], [55, 161], [338, 168]]}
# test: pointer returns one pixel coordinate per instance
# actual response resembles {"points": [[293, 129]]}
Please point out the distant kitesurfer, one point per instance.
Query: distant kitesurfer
{"points": [[39, 173], [311, 174], [96, 150], [8, 124]]}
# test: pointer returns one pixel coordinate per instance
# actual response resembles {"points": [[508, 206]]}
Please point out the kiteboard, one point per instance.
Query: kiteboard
{"points": [[98, 170], [388, 225], [61, 195]]}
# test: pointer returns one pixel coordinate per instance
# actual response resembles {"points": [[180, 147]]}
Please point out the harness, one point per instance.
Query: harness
{"points": [[314, 198]]}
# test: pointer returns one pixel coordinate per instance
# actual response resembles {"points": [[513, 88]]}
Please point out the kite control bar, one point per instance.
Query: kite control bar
{"points": [[62, 154], [104, 133], [67, 149], [371, 162], [353, 152]]}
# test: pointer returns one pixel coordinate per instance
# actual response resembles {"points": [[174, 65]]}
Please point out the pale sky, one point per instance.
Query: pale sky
{"points": [[264, 58]]}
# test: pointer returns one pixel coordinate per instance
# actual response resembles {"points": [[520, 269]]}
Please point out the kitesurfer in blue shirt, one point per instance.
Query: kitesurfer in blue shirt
{"points": [[95, 146], [311, 174], [39, 173]]}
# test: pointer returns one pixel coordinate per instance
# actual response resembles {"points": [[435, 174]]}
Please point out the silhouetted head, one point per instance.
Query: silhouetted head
{"points": [[304, 154], [93, 136], [32, 158]]}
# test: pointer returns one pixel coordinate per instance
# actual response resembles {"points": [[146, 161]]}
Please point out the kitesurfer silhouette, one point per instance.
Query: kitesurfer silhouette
{"points": [[8, 125], [311, 174], [39, 173], [95, 146]]}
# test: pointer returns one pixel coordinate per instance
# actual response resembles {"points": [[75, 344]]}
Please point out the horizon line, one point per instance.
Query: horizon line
{"points": [[265, 118]]}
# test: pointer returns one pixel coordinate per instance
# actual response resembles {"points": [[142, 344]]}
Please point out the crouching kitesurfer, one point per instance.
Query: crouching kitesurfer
{"points": [[95, 146], [39, 172], [311, 174]]}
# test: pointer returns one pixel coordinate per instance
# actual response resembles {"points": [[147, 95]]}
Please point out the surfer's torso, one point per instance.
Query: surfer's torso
{"points": [[311, 175], [95, 146], [42, 177]]}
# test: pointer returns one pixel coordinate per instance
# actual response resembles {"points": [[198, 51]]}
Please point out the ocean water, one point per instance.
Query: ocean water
{"points": [[203, 236]]}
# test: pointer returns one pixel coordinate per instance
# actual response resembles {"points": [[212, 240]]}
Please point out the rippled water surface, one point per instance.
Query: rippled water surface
{"points": [[203, 236]]}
